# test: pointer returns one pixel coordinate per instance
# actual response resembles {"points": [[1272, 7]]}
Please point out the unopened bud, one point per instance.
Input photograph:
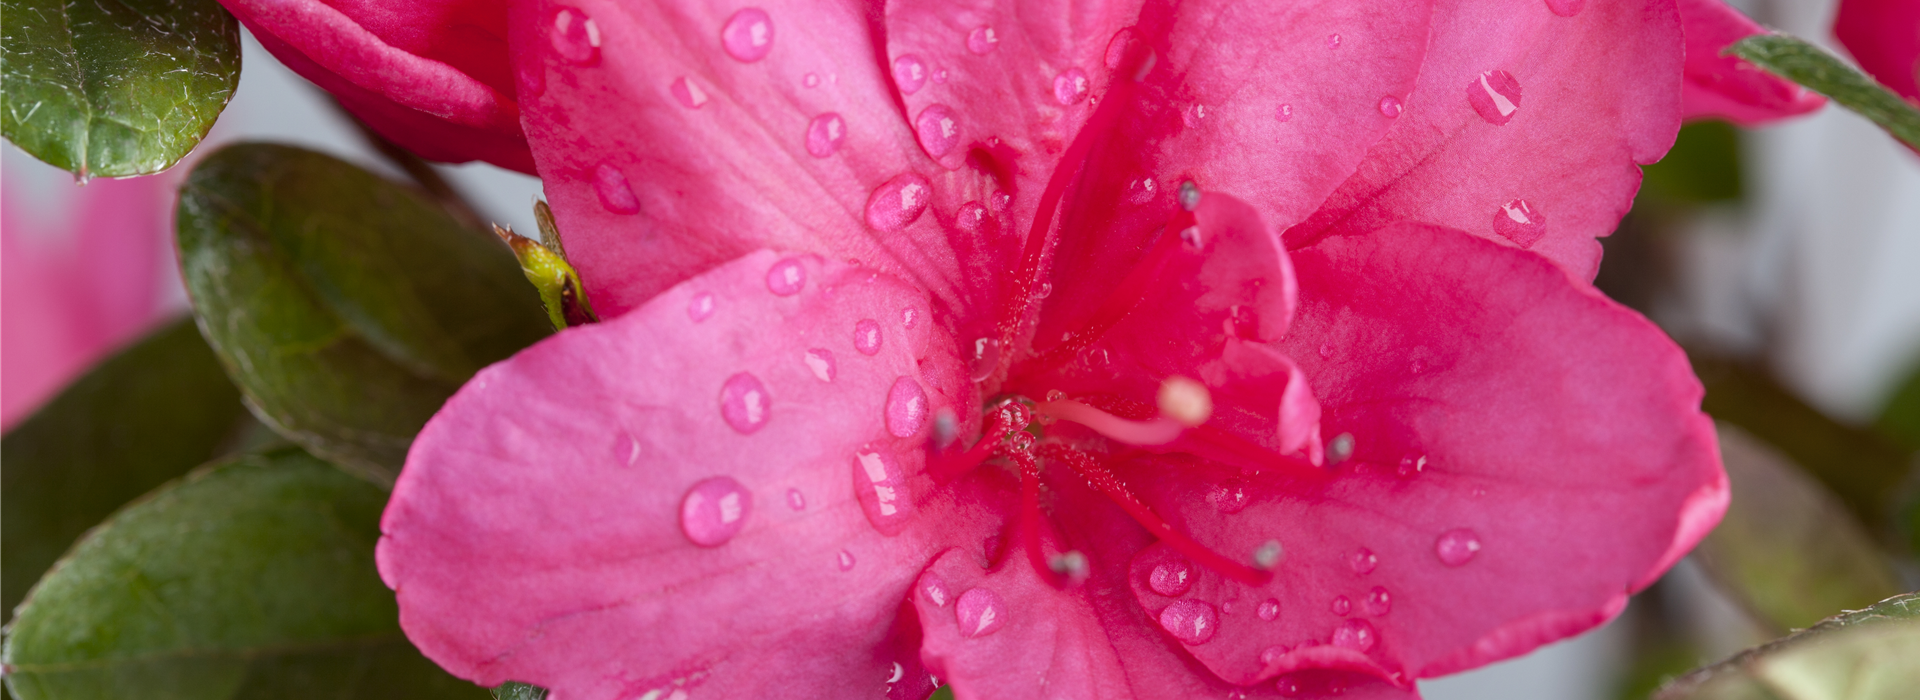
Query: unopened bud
{"points": [[559, 286], [1185, 401]]}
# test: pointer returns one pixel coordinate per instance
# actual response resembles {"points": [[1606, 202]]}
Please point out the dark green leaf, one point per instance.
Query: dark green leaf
{"points": [[1702, 167], [1819, 71], [115, 87], [250, 579], [148, 414], [1863, 655], [1900, 419], [1787, 548], [519, 691], [347, 308]]}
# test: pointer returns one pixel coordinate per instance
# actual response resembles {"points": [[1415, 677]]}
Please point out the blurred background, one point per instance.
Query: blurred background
{"points": [[1783, 258]]}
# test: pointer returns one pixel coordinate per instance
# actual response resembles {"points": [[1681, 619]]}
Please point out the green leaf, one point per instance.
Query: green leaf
{"points": [[1702, 167], [115, 87], [345, 307], [1787, 547], [1900, 419], [251, 578], [1863, 655], [148, 414], [1806, 64], [512, 690]]}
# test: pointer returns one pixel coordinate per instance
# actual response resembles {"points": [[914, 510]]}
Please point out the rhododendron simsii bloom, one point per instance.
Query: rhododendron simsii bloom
{"points": [[964, 341]]}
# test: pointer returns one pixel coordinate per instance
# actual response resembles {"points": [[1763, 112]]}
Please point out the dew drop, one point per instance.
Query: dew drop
{"points": [[1326, 350], [986, 358], [1566, 8], [1000, 201], [1411, 464], [1495, 95], [938, 128], [796, 500], [1363, 561], [898, 202], [940, 76], [825, 133], [820, 361], [1517, 221], [615, 195], [1341, 606], [1268, 609], [971, 218], [1357, 635], [880, 484], [935, 590], [1283, 113], [1229, 496], [1379, 601], [1193, 622], [811, 80], [1390, 106], [1117, 48], [1020, 441], [1333, 41], [982, 40], [1142, 190], [688, 93], [909, 73], [1457, 546], [626, 450], [906, 408], [1272, 654], [845, 560], [714, 510], [748, 35], [701, 307], [787, 277], [1070, 87], [980, 612], [575, 36], [1171, 578], [744, 403], [866, 336]]}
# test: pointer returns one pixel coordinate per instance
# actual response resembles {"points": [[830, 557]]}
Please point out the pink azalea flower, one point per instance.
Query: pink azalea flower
{"points": [[1884, 36], [924, 358], [1726, 87]]}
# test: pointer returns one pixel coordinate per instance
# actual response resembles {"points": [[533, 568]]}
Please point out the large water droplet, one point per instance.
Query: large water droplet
{"points": [[845, 560], [1192, 622], [906, 408], [1268, 609], [880, 484], [714, 510], [938, 128], [980, 612], [935, 590], [1229, 496], [748, 35], [971, 217], [1363, 560], [744, 403], [986, 358], [866, 336], [1517, 221], [982, 40], [688, 93], [1171, 578], [821, 362], [909, 73], [1390, 106], [898, 202], [1457, 546], [1566, 8], [1070, 86], [1341, 606], [1117, 48], [787, 277], [1357, 635], [825, 133], [796, 500], [1379, 601], [1495, 95], [575, 36], [615, 195]]}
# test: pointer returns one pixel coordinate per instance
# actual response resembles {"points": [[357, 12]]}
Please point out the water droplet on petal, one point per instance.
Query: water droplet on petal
{"points": [[909, 73], [971, 218], [1045, 290], [1517, 221], [846, 560], [1142, 190], [1379, 601], [1390, 106], [700, 307], [1070, 86], [688, 93], [935, 590], [1363, 561], [1566, 8], [1001, 200], [1272, 654], [938, 128], [1283, 113], [1229, 496], [811, 80], [744, 403], [1457, 547], [1333, 41], [866, 336], [1341, 606], [575, 36], [986, 358], [796, 500], [1495, 95], [940, 77], [825, 133], [1171, 578], [1357, 635], [898, 202], [1117, 48], [981, 41], [748, 35], [787, 277], [1268, 609], [980, 612], [880, 484], [820, 361], [626, 450], [615, 195], [906, 408], [714, 510], [1192, 622], [909, 317], [1411, 464]]}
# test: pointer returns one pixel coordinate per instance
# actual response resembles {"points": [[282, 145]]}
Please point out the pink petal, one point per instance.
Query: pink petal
{"points": [[1727, 87], [431, 75], [1598, 93], [1884, 36], [611, 511], [1526, 454]]}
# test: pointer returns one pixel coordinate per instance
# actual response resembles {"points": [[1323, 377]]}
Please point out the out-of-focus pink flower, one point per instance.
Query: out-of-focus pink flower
{"points": [[1725, 87], [848, 253], [70, 295], [1884, 36]]}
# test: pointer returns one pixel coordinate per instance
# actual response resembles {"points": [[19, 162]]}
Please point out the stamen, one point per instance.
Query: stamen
{"points": [[1011, 416], [1185, 401], [1030, 516], [1158, 431], [1213, 443], [1104, 481]]}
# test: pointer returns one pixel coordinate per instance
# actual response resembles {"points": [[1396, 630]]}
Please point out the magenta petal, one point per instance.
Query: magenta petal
{"points": [[1727, 87], [590, 516], [1884, 36]]}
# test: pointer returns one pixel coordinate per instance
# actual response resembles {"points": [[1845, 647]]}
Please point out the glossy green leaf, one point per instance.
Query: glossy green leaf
{"points": [[148, 414], [1821, 72], [346, 308], [115, 87], [250, 579], [519, 691], [1787, 547], [1864, 655]]}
